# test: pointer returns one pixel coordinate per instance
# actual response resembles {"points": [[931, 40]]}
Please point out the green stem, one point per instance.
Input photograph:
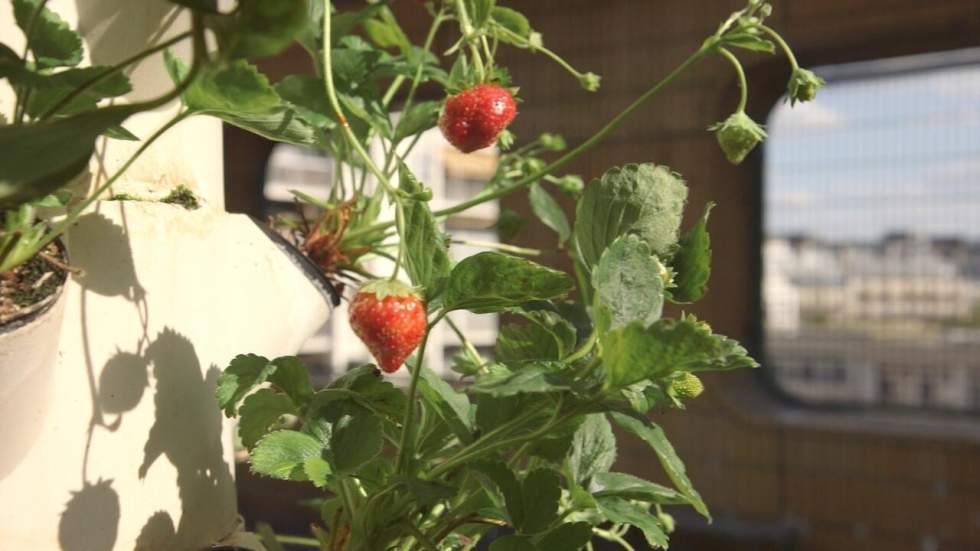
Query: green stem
{"points": [[110, 71], [335, 104], [498, 246], [782, 44], [408, 426], [588, 144], [613, 537], [743, 86], [485, 443], [298, 540], [584, 349], [523, 43], [467, 29]]}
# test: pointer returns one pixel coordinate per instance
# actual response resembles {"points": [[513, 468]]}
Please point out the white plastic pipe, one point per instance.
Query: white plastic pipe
{"points": [[132, 452]]}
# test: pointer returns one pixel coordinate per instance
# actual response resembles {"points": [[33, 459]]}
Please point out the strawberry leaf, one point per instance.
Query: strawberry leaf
{"points": [[692, 262], [52, 41], [628, 283], [282, 454], [260, 411], [654, 436], [593, 448], [646, 200], [239, 94], [491, 282], [426, 246], [549, 212], [621, 511]]}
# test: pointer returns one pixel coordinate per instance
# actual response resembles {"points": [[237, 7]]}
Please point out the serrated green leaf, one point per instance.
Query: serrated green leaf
{"points": [[53, 42], [627, 486], [48, 90], [65, 144], [239, 94], [527, 379], [420, 117], [259, 412], [427, 257], [549, 212], [633, 353], [426, 492], [541, 490], [512, 20], [548, 336], [242, 375], [593, 448], [490, 282], [317, 471], [692, 262], [510, 488], [282, 454], [306, 94], [452, 406], [355, 437], [646, 200], [628, 283], [513, 542], [621, 511], [570, 536], [654, 436], [261, 28], [292, 377]]}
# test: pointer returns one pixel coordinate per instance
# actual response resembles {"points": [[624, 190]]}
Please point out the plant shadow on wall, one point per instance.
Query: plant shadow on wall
{"points": [[90, 521], [114, 21], [187, 427], [188, 432]]}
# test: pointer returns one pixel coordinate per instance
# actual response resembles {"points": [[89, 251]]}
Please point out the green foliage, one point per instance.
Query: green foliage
{"points": [[691, 263], [51, 40], [628, 283], [646, 200], [593, 448], [549, 212], [282, 454], [524, 437], [491, 282], [240, 95], [426, 246]]}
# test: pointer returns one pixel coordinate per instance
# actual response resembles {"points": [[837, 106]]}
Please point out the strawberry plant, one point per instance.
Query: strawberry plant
{"points": [[525, 439]]}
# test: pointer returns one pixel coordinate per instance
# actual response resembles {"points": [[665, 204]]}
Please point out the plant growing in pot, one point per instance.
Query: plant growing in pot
{"points": [[524, 442]]}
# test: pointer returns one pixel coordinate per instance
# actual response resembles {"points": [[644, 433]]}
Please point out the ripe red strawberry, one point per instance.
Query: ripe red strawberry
{"points": [[390, 318], [473, 118]]}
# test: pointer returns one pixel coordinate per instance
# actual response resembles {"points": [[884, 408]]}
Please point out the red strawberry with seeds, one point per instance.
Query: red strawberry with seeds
{"points": [[473, 118], [390, 318]]}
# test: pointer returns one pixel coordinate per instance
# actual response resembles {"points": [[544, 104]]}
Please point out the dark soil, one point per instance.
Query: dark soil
{"points": [[26, 287]]}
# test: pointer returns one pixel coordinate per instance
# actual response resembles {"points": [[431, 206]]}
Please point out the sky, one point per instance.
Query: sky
{"points": [[871, 156]]}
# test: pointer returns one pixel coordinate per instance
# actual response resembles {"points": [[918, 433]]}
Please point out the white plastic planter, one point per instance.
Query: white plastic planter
{"points": [[28, 348], [133, 453]]}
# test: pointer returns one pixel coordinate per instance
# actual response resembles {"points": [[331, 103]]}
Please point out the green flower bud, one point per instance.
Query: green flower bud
{"points": [[590, 81], [570, 184], [803, 86], [553, 142], [738, 135], [687, 386]]}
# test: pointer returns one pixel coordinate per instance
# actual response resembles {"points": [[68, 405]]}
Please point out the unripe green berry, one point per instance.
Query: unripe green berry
{"points": [[738, 135], [687, 386], [803, 86]]}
